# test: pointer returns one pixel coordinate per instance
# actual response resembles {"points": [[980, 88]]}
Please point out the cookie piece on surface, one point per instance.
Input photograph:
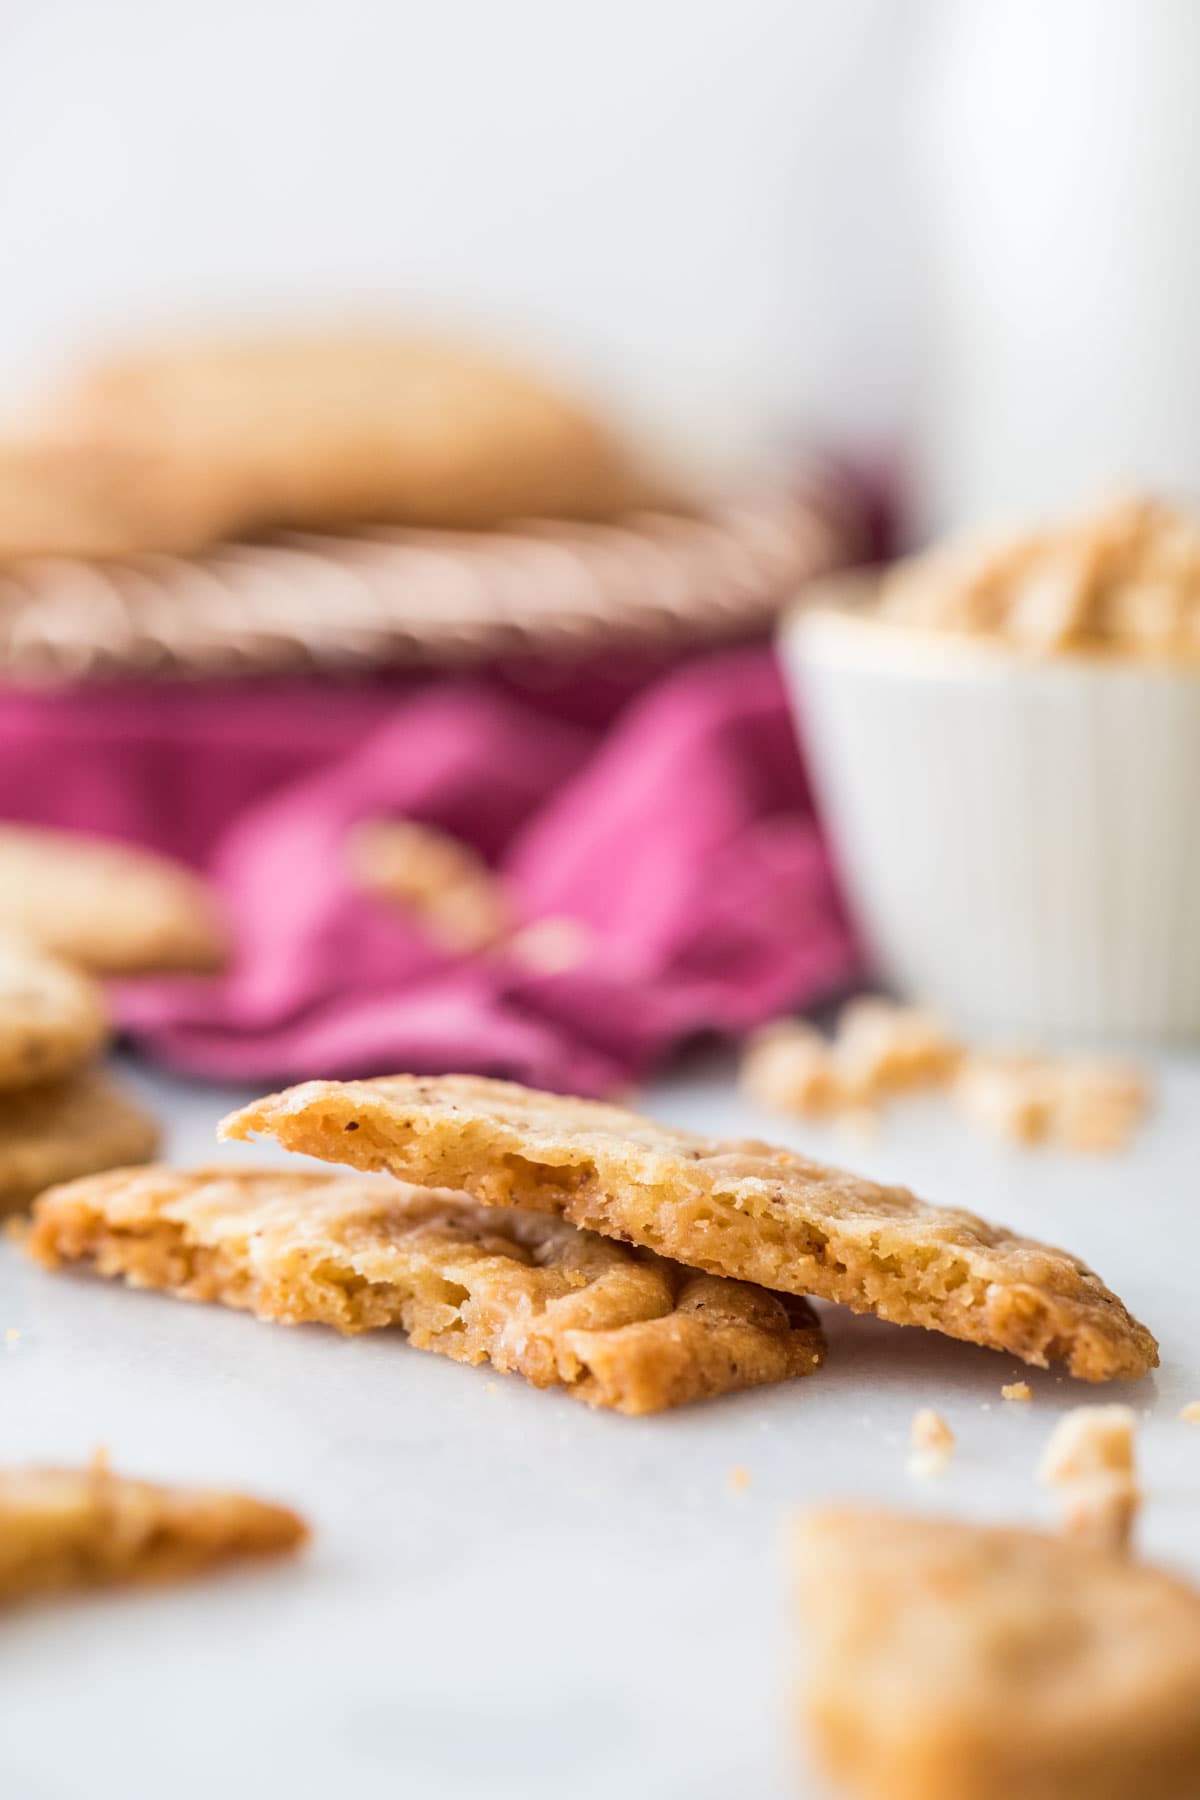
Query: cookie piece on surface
{"points": [[108, 907], [73, 1529], [740, 1209], [957, 1662], [529, 1293], [66, 1129], [52, 1017]]}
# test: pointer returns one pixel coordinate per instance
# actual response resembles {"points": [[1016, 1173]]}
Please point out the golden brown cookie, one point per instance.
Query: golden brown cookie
{"points": [[740, 1209], [529, 1293], [69, 500], [955, 1662], [52, 1017], [66, 1129], [329, 430], [111, 908], [64, 1529]]}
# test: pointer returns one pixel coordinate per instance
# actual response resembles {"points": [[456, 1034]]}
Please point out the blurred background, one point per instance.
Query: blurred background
{"points": [[427, 416]]}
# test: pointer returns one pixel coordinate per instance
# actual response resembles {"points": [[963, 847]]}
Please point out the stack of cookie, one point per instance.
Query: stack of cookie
{"points": [[72, 909], [577, 1243]]}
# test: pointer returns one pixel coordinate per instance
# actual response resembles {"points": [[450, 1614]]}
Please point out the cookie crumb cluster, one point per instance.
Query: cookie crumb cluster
{"points": [[1190, 1413], [1028, 1099], [932, 1444], [1124, 579], [1016, 1390], [1090, 1458], [881, 1049]]}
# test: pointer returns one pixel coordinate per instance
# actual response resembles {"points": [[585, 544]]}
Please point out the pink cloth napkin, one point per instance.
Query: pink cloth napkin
{"points": [[675, 826]]}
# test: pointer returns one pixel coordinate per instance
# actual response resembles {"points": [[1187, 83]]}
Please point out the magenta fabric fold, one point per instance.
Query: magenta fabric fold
{"points": [[674, 826]]}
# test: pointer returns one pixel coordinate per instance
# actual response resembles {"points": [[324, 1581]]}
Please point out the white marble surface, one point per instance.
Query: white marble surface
{"points": [[508, 1595]]}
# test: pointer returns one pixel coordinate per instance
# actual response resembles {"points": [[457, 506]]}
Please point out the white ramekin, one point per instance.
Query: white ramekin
{"points": [[1019, 838]]}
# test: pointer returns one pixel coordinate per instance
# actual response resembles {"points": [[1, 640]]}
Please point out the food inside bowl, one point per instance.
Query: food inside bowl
{"points": [[1124, 579]]}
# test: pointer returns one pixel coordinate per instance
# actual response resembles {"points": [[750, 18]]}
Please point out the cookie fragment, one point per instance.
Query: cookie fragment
{"points": [[742, 1209], [1090, 1459], [65, 1129], [529, 1293], [957, 1662], [1075, 1103], [879, 1049], [932, 1443], [52, 1017], [106, 907], [442, 882], [72, 1529]]}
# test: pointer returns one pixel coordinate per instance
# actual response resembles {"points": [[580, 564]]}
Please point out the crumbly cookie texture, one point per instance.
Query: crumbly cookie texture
{"points": [[950, 1661], [1075, 1103], [878, 1050], [1123, 579], [442, 882], [530, 1293], [52, 1017], [740, 1209], [65, 1129], [64, 1529], [1090, 1459], [106, 907]]}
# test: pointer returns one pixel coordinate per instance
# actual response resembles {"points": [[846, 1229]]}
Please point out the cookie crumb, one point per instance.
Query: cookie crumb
{"points": [[788, 1068], [932, 1443], [1090, 1456], [1090, 1440], [1191, 1412], [1072, 1103], [12, 1337], [1102, 1510], [739, 1478], [879, 1049], [1016, 1390], [443, 883]]}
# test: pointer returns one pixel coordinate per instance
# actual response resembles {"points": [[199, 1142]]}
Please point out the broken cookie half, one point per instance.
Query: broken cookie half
{"points": [[745, 1210], [65, 1529], [618, 1327], [951, 1661]]}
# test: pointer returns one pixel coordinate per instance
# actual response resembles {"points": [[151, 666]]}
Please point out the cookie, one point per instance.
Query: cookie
{"points": [[617, 1327], [52, 1017], [73, 1529], [325, 431], [66, 1129], [111, 908], [66, 500], [740, 1209], [951, 1661]]}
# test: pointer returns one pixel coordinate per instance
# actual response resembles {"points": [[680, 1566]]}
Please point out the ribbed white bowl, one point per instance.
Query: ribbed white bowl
{"points": [[1020, 838]]}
